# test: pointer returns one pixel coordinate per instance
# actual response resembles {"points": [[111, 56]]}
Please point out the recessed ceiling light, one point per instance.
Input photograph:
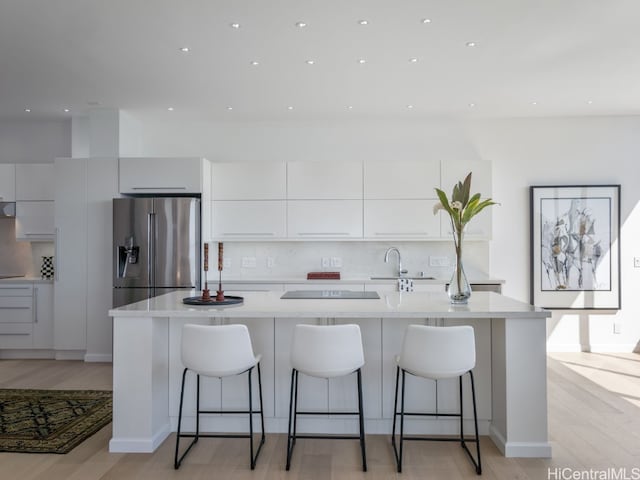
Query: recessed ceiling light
{"points": [[301, 24], [363, 22], [289, 107], [28, 110], [254, 63], [471, 105], [361, 61], [426, 20], [66, 110], [471, 44], [589, 102], [413, 60], [534, 103], [235, 25], [409, 107], [229, 108], [350, 107], [185, 49], [170, 109], [310, 62]]}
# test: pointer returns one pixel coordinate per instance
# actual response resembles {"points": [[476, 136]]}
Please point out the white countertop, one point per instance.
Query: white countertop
{"points": [[390, 305], [26, 280]]}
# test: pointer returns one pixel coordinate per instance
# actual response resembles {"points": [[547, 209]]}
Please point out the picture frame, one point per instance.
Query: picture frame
{"points": [[575, 247]]}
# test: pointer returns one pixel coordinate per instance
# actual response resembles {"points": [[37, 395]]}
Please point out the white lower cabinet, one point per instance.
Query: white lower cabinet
{"points": [[26, 316], [43, 316], [16, 316], [324, 219], [398, 219], [249, 220], [34, 221]]}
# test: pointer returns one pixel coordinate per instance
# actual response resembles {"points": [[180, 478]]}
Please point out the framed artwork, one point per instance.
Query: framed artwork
{"points": [[575, 246]]}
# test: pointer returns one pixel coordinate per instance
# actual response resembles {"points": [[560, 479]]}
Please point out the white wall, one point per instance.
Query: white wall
{"points": [[34, 141], [523, 152]]}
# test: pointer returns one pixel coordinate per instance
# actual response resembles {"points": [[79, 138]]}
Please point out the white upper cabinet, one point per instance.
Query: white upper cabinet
{"points": [[161, 175], [324, 180], [34, 221], [35, 181], [249, 181], [249, 219], [401, 180], [7, 182], [400, 219], [324, 219], [479, 228]]}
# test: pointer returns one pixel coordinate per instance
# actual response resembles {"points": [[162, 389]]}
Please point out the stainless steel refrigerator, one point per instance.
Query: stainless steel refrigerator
{"points": [[156, 243]]}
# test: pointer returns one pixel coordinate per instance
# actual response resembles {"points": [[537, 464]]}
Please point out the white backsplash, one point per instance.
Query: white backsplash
{"points": [[20, 258], [358, 259]]}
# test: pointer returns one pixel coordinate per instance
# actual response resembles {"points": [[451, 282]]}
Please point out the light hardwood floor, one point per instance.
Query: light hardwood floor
{"points": [[594, 423]]}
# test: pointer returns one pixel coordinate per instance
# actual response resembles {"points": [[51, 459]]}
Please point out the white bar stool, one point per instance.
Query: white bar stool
{"points": [[436, 353], [325, 351], [218, 351]]}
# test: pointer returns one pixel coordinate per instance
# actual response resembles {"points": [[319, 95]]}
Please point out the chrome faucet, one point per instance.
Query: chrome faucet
{"points": [[401, 272]]}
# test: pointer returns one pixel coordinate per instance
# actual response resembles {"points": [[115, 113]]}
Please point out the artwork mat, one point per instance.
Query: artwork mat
{"points": [[576, 298]]}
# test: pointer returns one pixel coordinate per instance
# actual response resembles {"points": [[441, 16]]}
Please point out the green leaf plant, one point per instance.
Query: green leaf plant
{"points": [[461, 209]]}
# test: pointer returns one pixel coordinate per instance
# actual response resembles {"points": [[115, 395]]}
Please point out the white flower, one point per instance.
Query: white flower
{"points": [[456, 205], [437, 207]]}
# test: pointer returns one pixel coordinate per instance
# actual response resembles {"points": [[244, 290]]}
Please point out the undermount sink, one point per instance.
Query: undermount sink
{"points": [[397, 278]]}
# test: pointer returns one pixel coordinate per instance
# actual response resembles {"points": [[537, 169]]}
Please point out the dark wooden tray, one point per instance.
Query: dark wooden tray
{"points": [[228, 300]]}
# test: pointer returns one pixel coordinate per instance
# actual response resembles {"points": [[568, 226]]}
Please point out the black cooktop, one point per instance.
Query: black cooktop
{"points": [[329, 294]]}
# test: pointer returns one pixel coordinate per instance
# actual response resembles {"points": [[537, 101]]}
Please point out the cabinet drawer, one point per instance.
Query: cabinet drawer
{"points": [[16, 335], [16, 310], [15, 291]]}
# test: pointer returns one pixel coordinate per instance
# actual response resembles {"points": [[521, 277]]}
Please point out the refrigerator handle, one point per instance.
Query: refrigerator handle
{"points": [[151, 229]]}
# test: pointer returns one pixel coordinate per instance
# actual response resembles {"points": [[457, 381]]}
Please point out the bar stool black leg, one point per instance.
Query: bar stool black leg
{"points": [[295, 409], [251, 459], [262, 438], [475, 419], [176, 463], [395, 415], [461, 413], [361, 418], [197, 409], [289, 431], [401, 422]]}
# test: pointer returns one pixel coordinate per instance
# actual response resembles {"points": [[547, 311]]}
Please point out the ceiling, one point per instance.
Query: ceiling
{"points": [[531, 58]]}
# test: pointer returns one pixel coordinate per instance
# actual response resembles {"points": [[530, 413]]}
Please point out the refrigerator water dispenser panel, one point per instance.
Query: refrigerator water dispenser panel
{"points": [[127, 254]]}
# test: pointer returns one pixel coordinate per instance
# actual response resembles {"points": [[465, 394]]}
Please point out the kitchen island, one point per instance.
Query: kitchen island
{"points": [[510, 371]]}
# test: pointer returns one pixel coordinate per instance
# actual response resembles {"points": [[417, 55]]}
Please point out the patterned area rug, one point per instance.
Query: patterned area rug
{"points": [[50, 421]]}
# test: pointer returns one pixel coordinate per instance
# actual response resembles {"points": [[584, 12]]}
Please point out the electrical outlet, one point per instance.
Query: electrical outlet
{"points": [[636, 262], [438, 261], [325, 262], [271, 262], [617, 328], [336, 262], [249, 262], [227, 263]]}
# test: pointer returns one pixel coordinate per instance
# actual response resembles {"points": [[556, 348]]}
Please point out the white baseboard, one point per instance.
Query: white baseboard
{"points": [[98, 358], [19, 354], [69, 354], [520, 449], [594, 347], [139, 445]]}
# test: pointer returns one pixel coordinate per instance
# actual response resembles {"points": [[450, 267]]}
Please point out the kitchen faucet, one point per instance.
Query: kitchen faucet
{"points": [[401, 272]]}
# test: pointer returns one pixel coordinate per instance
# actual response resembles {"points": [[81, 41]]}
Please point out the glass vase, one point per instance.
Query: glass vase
{"points": [[459, 290]]}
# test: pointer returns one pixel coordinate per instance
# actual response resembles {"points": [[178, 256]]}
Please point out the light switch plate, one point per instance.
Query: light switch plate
{"points": [[336, 262], [325, 262]]}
